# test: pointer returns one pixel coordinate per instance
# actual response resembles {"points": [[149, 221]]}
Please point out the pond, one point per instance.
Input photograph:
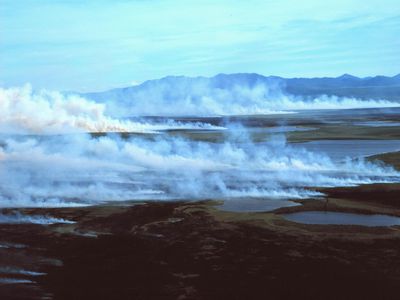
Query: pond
{"points": [[338, 218], [340, 149]]}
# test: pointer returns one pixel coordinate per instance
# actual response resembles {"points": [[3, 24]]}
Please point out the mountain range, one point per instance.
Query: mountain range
{"points": [[377, 87]]}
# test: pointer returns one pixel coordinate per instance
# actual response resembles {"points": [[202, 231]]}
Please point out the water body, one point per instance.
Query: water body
{"points": [[377, 124], [338, 218], [282, 129], [340, 149]]}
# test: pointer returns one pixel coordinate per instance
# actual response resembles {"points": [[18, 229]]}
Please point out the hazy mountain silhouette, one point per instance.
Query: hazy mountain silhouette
{"points": [[346, 85]]}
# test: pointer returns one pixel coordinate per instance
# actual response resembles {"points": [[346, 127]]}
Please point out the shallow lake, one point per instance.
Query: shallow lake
{"points": [[340, 149], [377, 124], [338, 218]]}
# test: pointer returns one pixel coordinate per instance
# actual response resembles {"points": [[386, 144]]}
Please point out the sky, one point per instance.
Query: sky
{"points": [[94, 45]]}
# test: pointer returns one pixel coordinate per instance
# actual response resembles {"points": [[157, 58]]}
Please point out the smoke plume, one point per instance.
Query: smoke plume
{"points": [[78, 169]]}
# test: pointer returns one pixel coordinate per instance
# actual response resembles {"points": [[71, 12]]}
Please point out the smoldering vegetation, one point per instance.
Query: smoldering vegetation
{"points": [[47, 157], [81, 170], [23, 111], [18, 218]]}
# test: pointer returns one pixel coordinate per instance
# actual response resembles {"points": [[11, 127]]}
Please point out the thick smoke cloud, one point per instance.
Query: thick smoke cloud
{"points": [[44, 112], [78, 169]]}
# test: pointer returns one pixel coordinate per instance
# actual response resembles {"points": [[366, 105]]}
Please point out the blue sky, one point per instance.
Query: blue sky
{"points": [[98, 44]]}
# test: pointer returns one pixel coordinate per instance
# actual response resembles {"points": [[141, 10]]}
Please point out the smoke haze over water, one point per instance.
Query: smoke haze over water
{"points": [[78, 169]]}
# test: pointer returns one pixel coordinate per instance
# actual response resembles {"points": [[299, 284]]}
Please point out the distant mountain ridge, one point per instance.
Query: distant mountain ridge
{"points": [[346, 85]]}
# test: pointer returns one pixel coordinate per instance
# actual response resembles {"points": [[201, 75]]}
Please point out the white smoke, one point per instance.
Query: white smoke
{"points": [[24, 111], [200, 98], [18, 218], [15, 281], [15, 271], [80, 170]]}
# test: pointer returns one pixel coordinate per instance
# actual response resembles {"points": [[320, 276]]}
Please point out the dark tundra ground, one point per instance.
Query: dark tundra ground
{"points": [[195, 250], [191, 250]]}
